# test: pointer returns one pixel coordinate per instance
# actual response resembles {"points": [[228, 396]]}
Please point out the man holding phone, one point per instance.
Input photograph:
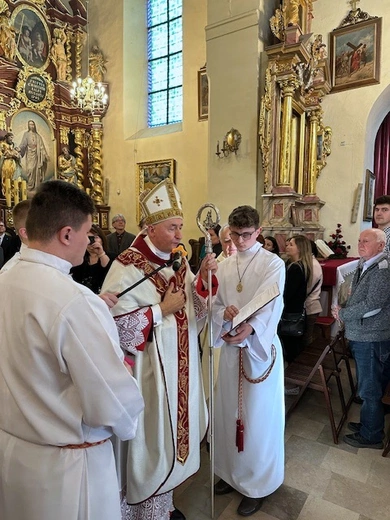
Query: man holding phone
{"points": [[249, 402]]}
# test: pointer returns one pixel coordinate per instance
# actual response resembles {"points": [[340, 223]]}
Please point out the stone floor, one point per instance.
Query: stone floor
{"points": [[323, 481]]}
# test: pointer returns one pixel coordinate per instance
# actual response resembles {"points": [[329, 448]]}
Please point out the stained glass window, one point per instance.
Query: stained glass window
{"points": [[165, 62]]}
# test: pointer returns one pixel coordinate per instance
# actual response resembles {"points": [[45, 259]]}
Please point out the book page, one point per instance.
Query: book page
{"points": [[255, 305]]}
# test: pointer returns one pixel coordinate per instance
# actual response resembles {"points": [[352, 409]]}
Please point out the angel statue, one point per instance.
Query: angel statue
{"points": [[97, 68]]}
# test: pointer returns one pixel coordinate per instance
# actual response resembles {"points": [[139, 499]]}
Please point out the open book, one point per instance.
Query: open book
{"points": [[323, 248], [254, 306]]}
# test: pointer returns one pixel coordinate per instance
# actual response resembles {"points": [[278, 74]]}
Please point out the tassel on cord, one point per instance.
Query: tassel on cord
{"points": [[240, 435]]}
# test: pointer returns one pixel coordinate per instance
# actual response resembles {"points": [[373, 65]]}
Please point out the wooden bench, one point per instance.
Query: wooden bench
{"points": [[386, 400]]}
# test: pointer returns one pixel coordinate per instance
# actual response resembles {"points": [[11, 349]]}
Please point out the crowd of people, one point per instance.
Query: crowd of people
{"points": [[114, 354]]}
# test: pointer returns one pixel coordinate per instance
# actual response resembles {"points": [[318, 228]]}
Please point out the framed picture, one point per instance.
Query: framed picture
{"points": [[203, 95], [32, 36], [151, 173], [369, 189], [355, 55], [34, 137]]}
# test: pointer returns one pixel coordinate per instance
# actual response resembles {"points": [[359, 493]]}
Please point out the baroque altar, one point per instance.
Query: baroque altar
{"points": [[42, 130], [294, 141]]}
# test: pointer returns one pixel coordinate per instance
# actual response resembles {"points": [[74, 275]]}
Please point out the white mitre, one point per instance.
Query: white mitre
{"points": [[161, 203]]}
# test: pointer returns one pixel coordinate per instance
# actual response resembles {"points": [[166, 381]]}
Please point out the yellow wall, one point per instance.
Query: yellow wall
{"points": [[354, 131], [231, 36], [123, 43]]}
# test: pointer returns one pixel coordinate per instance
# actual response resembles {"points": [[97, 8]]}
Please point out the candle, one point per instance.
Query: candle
{"points": [[7, 184], [16, 192], [24, 190]]}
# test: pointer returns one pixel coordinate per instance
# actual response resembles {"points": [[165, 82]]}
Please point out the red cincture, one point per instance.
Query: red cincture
{"points": [[240, 435]]}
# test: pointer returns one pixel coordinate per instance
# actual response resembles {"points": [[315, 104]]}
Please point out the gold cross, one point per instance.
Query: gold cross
{"points": [[157, 201], [353, 4]]}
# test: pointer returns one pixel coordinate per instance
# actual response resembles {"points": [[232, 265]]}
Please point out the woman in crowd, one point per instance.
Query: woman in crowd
{"points": [[299, 269], [313, 304], [271, 245], [97, 262], [217, 247]]}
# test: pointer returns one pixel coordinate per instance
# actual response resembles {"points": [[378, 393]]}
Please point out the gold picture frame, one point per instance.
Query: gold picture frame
{"points": [[369, 192], [203, 94], [355, 55], [151, 173], [33, 39]]}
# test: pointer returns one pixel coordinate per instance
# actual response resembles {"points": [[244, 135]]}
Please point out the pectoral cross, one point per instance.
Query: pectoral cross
{"points": [[353, 4]]}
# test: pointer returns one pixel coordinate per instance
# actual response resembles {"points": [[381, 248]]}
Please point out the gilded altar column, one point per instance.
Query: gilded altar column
{"points": [[79, 41], [78, 151], [310, 188], [288, 87], [96, 174], [70, 38]]}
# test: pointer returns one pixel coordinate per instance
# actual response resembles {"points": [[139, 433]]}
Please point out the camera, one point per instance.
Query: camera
{"points": [[92, 239]]}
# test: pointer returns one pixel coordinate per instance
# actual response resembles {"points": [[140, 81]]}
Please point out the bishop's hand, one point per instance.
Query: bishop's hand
{"points": [[173, 301]]}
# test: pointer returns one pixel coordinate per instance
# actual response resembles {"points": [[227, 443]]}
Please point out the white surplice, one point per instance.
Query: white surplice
{"points": [[258, 470], [152, 465], [62, 382]]}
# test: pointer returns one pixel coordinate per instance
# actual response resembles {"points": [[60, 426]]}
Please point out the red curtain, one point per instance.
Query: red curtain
{"points": [[382, 159]]}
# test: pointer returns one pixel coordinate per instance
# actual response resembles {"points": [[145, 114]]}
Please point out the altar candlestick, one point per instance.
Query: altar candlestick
{"points": [[7, 184], [16, 192], [24, 190]]}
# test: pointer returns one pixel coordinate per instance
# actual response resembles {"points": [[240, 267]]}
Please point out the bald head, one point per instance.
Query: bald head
{"points": [[371, 243]]}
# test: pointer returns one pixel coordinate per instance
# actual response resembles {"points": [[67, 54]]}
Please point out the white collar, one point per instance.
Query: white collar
{"points": [[256, 246], [41, 257], [157, 252]]}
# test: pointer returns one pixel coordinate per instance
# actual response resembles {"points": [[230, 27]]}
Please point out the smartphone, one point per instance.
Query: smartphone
{"points": [[92, 239]]}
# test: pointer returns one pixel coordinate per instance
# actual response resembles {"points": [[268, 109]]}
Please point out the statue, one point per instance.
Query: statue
{"points": [[7, 33], [292, 14], [97, 68], [58, 53], [10, 161], [318, 48], [67, 166]]}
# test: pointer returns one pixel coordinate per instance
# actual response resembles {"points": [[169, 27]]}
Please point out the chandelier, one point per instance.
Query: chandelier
{"points": [[87, 94]]}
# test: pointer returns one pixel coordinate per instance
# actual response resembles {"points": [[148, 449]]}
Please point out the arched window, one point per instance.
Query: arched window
{"points": [[165, 62]]}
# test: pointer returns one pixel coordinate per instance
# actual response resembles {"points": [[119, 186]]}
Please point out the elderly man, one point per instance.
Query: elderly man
{"points": [[366, 318], [249, 403], [64, 386], [382, 217], [228, 246], [158, 322], [120, 239]]}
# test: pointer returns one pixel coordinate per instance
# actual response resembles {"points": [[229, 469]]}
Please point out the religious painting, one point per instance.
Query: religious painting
{"points": [[34, 138], [203, 95], [369, 191], [355, 55], [32, 37], [151, 173]]}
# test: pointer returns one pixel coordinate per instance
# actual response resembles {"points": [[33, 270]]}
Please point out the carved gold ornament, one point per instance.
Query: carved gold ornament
{"points": [[36, 90]]}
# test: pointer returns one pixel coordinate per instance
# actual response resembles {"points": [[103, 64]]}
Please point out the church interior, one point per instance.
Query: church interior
{"points": [[281, 105]]}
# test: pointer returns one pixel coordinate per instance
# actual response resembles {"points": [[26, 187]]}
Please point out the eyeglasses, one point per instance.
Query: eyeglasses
{"points": [[245, 236]]}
